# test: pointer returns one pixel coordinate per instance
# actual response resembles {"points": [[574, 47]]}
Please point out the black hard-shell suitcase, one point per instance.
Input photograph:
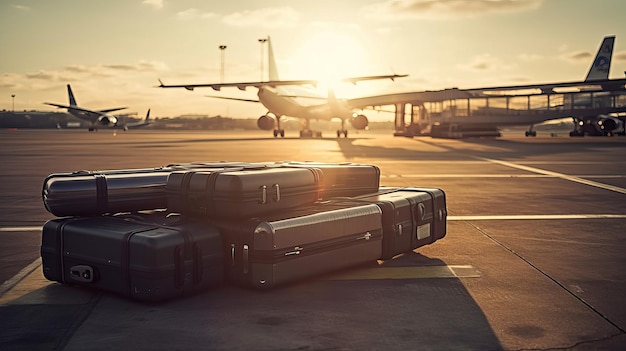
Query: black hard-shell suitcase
{"points": [[412, 217], [264, 253], [241, 193], [343, 179], [144, 257], [88, 193]]}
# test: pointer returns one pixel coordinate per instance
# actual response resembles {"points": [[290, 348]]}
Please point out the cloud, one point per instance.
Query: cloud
{"points": [[267, 17], [620, 56], [485, 62], [578, 56], [193, 14], [443, 9], [21, 7], [157, 4], [530, 57]]}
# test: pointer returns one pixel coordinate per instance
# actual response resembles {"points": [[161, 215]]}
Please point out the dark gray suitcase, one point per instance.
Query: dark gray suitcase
{"points": [[241, 193], [88, 193], [343, 179], [412, 217], [147, 258], [264, 253]]}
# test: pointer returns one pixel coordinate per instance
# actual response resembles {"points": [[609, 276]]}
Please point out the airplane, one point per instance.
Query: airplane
{"points": [[280, 100], [97, 118], [145, 122], [596, 105]]}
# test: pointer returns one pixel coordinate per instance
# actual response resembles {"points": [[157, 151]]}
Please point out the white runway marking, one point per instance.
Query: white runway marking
{"points": [[20, 229], [558, 175], [9, 284], [536, 217], [448, 175]]}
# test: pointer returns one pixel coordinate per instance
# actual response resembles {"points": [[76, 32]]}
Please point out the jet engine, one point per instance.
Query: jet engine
{"points": [[359, 122], [265, 122], [607, 125], [107, 120]]}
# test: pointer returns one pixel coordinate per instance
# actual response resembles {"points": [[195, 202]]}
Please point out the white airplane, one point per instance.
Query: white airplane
{"points": [[145, 122], [97, 118], [279, 98]]}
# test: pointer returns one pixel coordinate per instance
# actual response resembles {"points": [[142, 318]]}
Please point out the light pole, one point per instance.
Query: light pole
{"points": [[262, 41], [13, 103], [222, 48]]}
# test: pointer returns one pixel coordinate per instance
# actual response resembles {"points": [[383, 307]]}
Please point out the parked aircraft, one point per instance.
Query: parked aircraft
{"points": [[596, 105], [145, 122], [97, 118], [281, 99]]}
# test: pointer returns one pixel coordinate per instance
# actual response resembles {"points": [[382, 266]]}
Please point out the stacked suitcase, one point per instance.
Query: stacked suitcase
{"points": [[154, 234]]}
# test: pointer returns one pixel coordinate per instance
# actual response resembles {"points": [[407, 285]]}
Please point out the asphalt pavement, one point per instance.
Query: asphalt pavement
{"points": [[533, 258]]}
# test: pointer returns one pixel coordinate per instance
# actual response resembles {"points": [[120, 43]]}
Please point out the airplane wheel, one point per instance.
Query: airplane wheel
{"points": [[338, 134], [345, 133], [282, 133], [275, 133]]}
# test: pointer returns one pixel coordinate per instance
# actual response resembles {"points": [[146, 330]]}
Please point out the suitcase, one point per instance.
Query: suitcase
{"points": [[143, 257], [412, 217], [241, 193], [268, 252], [344, 179], [88, 193]]}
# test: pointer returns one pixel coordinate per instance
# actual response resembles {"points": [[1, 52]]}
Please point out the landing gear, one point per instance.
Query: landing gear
{"points": [[530, 132], [305, 132], [278, 130], [342, 130]]}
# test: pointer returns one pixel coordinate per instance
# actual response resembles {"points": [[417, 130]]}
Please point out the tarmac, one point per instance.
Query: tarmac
{"points": [[533, 258]]}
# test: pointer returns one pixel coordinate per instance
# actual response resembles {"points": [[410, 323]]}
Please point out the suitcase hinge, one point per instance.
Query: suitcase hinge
{"points": [[296, 251]]}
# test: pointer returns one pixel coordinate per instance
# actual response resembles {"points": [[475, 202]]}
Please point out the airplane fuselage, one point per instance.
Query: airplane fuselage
{"points": [[283, 105]]}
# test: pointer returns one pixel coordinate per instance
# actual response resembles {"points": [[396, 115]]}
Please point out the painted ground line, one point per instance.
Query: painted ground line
{"points": [[20, 229], [448, 175], [536, 217], [9, 284], [559, 175]]}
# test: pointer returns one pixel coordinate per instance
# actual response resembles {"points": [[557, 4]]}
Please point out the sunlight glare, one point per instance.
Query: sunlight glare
{"points": [[329, 57]]}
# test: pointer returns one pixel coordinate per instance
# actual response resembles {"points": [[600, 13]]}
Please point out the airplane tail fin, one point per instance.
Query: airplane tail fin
{"points": [[71, 96], [602, 62], [271, 62], [147, 116]]}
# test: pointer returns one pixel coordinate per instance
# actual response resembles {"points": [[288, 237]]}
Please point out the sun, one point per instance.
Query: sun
{"points": [[329, 57]]}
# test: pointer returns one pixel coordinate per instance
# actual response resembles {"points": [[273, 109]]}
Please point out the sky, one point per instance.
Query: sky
{"points": [[113, 52]]}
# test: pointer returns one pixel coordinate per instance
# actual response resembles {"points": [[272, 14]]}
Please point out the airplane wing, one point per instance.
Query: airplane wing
{"points": [[84, 109], [232, 98], [388, 76], [273, 83], [112, 109], [57, 105], [239, 85]]}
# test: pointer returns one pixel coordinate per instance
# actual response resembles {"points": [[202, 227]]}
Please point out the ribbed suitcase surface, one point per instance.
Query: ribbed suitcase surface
{"points": [[88, 193], [412, 217], [146, 257], [242, 193], [270, 251]]}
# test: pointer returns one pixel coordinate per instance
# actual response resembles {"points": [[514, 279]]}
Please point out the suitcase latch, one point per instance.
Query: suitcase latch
{"points": [[296, 251], [82, 273], [277, 191], [263, 189], [365, 236]]}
